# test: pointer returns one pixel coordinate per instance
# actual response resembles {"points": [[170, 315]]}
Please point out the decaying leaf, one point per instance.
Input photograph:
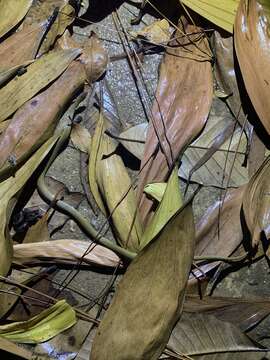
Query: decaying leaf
{"points": [[242, 312], [256, 204], [155, 190], [21, 46], [150, 296], [11, 13], [157, 32], [252, 43], [42, 327], [8, 189], [221, 13], [5, 75], [38, 232], [134, 138], [11, 348], [39, 74], [81, 138], [198, 335], [219, 232], [65, 251], [117, 191], [183, 101], [226, 145]]}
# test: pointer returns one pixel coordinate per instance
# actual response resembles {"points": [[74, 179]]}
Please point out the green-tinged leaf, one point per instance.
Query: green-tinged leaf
{"points": [[39, 74], [22, 46], [170, 204], [204, 336], [80, 138], [252, 44], [64, 251], [8, 189], [42, 327], [150, 296], [226, 144], [155, 190], [11, 13], [221, 13], [5, 75], [180, 109], [134, 138], [117, 191], [256, 204]]}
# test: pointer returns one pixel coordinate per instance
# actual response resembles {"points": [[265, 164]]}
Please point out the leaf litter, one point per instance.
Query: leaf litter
{"points": [[120, 212]]}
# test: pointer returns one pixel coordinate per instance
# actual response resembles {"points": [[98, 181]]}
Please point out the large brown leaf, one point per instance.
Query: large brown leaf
{"points": [[252, 43], [183, 100], [256, 203], [149, 299]]}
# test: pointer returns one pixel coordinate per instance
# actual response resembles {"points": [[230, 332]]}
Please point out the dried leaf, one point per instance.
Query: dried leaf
{"points": [[22, 46], [219, 232], [252, 43], [36, 120], [256, 204], [11, 13], [8, 189], [227, 154], [242, 312], [183, 101], [65, 251], [81, 138], [221, 13], [171, 203], [118, 193], [39, 74], [37, 232], [204, 336], [42, 327], [158, 32], [134, 138], [150, 296], [11, 348], [5, 75]]}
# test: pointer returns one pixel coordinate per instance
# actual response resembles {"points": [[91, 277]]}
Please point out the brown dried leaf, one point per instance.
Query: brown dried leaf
{"points": [[65, 251], [252, 43], [157, 32], [80, 138], [39, 74], [256, 204], [150, 296], [183, 101]]}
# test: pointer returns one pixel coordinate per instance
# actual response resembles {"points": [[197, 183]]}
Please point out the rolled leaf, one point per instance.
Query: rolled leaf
{"points": [[11, 13], [150, 296], [256, 204], [183, 101], [42, 327], [8, 189], [65, 251], [252, 44], [39, 74]]}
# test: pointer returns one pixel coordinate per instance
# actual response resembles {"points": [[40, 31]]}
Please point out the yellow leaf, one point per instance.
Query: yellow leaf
{"points": [[11, 12], [41, 327], [221, 13], [155, 190]]}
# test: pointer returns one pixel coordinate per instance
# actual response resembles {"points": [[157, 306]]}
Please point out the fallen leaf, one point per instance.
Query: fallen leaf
{"points": [[117, 191], [11, 13], [8, 190], [183, 101], [251, 37], [256, 204], [133, 139], [39, 74], [155, 190], [42, 327], [65, 251], [17, 351], [80, 138], [198, 335], [150, 296], [158, 32]]}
